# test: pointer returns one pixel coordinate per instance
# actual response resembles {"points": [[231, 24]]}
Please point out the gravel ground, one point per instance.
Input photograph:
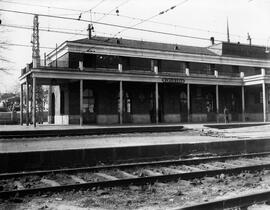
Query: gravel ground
{"points": [[157, 196]]}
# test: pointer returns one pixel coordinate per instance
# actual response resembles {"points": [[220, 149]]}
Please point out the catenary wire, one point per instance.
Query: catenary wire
{"points": [[160, 13], [125, 16], [111, 25]]}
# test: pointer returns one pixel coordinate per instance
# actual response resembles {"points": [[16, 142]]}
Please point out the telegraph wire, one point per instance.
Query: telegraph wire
{"points": [[24, 45], [108, 13], [90, 10], [38, 5], [97, 5], [160, 13], [111, 25], [124, 16], [57, 31], [43, 29]]}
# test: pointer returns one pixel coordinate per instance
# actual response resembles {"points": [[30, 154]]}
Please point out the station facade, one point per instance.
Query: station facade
{"points": [[103, 80]]}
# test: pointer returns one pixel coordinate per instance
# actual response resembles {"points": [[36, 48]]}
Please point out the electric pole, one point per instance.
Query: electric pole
{"points": [[35, 43]]}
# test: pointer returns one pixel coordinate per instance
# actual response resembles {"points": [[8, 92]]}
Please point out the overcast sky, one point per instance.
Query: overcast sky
{"points": [[200, 18]]}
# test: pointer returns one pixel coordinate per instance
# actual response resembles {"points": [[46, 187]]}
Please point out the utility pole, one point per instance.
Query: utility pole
{"points": [[228, 31], [249, 38], [37, 95], [90, 29], [35, 43]]}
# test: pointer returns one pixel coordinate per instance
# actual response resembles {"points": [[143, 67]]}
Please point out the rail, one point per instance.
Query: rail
{"points": [[135, 173]]}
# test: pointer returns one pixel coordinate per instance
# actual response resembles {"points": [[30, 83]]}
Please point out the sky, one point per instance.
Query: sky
{"points": [[199, 18]]}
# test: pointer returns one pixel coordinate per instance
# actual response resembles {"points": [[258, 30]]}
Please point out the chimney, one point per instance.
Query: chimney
{"points": [[212, 39]]}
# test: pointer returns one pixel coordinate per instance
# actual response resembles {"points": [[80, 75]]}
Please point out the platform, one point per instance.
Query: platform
{"points": [[43, 130], [48, 152]]}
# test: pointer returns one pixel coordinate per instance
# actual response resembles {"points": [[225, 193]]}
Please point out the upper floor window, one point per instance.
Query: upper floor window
{"points": [[88, 101], [257, 70], [210, 68], [107, 61], [235, 69]]}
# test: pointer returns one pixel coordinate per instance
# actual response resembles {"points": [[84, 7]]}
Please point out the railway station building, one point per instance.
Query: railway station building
{"points": [[103, 80]]}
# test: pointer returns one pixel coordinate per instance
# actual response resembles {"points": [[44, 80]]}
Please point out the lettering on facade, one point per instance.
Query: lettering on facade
{"points": [[172, 80]]}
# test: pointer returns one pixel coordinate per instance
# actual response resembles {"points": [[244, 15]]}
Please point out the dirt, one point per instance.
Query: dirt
{"points": [[157, 196]]}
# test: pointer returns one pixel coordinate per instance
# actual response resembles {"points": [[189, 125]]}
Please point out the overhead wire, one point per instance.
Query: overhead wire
{"points": [[108, 13], [160, 13], [38, 5], [44, 29], [25, 45], [90, 10], [124, 16], [110, 25]]}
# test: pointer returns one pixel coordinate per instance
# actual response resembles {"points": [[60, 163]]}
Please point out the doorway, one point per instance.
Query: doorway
{"points": [[53, 107], [183, 107]]}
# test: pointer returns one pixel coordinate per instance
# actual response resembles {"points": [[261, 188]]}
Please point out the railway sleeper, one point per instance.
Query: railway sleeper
{"points": [[192, 168], [147, 172], [228, 165], [211, 167], [259, 161], [244, 162], [77, 179], [127, 175], [50, 182], [18, 185], [172, 170], [106, 176]]}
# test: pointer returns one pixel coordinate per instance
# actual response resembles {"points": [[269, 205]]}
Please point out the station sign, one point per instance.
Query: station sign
{"points": [[172, 80]]}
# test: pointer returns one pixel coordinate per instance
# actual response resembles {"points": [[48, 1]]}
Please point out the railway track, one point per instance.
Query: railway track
{"points": [[49, 181]]}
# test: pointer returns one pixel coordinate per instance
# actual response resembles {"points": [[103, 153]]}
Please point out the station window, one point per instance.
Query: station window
{"points": [[235, 69], [106, 61], [88, 101], [257, 70], [183, 97], [210, 69]]}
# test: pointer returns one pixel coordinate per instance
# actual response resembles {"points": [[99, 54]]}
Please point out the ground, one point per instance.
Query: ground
{"points": [[159, 195]]}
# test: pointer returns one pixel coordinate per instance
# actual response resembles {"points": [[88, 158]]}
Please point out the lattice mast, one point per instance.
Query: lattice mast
{"points": [[35, 43]]}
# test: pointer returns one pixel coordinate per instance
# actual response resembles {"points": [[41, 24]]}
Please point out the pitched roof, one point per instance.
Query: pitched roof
{"points": [[108, 41]]}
